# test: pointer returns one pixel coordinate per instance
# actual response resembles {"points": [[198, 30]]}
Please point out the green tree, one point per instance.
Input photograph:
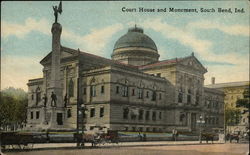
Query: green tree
{"points": [[13, 106], [232, 115]]}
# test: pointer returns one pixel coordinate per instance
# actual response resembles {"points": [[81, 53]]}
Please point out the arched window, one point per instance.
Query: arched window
{"points": [[71, 88]]}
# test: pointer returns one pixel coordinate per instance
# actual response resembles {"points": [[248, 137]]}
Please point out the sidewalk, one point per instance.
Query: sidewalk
{"points": [[121, 144]]}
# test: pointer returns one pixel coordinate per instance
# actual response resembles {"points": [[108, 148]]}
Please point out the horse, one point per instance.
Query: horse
{"points": [[208, 137]]}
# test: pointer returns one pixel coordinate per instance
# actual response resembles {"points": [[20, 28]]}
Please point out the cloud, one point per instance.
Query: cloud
{"points": [[16, 73], [20, 30], [227, 73], [235, 29], [201, 47], [239, 71], [96, 40]]}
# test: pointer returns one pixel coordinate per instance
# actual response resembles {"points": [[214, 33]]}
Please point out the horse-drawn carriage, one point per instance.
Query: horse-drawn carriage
{"points": [[97, 138], [20, 140], [208, 137]]}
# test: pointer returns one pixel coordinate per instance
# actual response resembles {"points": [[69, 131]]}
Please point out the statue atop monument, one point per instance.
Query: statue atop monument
{"points": [[57, 10]]}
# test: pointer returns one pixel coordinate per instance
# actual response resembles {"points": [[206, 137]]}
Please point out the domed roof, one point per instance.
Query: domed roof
{"points": [[135, 38]]}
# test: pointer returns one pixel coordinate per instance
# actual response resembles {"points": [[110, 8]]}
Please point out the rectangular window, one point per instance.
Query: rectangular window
{"points": [[141, 114], [158, 74], [125, 91], [140, 93], [92, 112], [31, 115], [133, 92], [37, 114], [160, 115], [69, 113], [197, 100], [188, 98], [154, 116], [147, 94], [84, 91], [147, 115], [180, 97], [154, 96], [102, 89], [101, 111], [117, 89], [59, 119], [92, 91], [125, 113], [159, 96]]}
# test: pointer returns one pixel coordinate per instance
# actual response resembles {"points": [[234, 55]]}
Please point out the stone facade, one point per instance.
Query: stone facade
{"points": [[147, 95], [234, 91]]}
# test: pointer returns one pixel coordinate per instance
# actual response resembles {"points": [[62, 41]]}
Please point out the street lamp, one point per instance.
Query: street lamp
{"points": [[200, 122]]}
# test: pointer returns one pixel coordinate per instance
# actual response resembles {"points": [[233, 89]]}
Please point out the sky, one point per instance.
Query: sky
{"points": [[220, 41]]}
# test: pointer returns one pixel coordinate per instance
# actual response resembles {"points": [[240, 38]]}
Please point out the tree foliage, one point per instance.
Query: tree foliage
{"points": [[232, 115], [13, 106]]}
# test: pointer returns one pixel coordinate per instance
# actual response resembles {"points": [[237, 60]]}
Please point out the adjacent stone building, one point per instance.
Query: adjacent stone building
{"points": [[133, 91], [234, 91]]}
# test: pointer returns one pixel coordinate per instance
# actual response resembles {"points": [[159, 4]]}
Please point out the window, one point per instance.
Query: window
{"points": [[197, 100], [182, 116], [31, 115], [84, 91], [147, 94], [141, 114], [217, 120], [32, 96], [102, 89], [91, 128], [153, 96], [133, 92], [140, 93], [37, 114], [189, 96], [92, 91], [125, 91], [71, 88], [147, 115], [92, 112], [69, 113], [125, 113], [154, 116], [38, 95], [159, 96], [158, 74], [160, 115], [101, 111], [180, 97], [117, 89]]}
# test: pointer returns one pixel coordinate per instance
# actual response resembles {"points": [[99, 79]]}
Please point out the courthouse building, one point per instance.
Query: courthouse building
{"points": [[132, 91]]}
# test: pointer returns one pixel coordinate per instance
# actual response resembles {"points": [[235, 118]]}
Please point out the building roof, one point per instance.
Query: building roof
{"points": [[229, 84], [135, 38]]}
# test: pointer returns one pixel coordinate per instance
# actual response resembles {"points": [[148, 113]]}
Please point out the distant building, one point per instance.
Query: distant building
{"points": [[234, 91], [133, 91]]}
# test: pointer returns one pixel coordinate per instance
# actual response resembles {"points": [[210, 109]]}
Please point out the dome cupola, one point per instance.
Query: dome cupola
{"points": [[135, 48]]}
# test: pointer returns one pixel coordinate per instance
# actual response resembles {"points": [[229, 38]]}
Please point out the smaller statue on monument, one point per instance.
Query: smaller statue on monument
{"points": [[53, 99], [45, 100], [57, 10]]}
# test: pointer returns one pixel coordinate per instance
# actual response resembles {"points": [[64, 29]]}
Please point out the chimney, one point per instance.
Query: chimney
{"points": [[213, 80]]}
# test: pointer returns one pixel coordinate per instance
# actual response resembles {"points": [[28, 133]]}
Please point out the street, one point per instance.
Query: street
{"points": [[139, 148]]}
